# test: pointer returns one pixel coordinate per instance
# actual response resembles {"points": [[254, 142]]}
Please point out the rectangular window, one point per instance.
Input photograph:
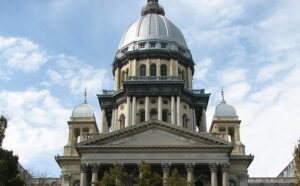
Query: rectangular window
{"points": [[163, 45], [142, 45], [152, 45]]}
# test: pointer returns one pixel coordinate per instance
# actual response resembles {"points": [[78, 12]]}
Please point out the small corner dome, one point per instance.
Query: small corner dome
{"points": [[225, 110], [83, 110]]}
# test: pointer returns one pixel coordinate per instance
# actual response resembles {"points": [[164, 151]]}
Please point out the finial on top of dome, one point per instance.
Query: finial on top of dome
{"points": [[153, 7], [223, 97], [85, 101]]}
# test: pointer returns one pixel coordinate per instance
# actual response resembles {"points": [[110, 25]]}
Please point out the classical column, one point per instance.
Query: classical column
{"points": [[179, 120], [237, 139], [190, 174], [166, 172], [225, 179], [173, 110], [128, 116], [116, 119], [147, 109], [213, 174], [104, 128], [95, 170], [160, 108], [117, 79], [134, 110], [203, 121], [194, 119], [83, 177], [113, 120]]}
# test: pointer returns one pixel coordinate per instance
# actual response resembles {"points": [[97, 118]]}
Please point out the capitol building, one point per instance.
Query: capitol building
{"points": [[155, 115]]}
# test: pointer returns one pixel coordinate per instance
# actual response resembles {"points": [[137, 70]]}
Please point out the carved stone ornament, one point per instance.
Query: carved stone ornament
{"points": [[189, 167], [225, 167], [67, 177], [95, 168], [83, 168], [166, 168], [213, 167]]}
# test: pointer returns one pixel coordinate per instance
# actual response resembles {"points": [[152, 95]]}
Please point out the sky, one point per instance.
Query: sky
{"points": [[51, 50]]}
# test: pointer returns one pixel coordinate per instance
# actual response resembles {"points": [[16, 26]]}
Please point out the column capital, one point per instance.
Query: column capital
{"points": [[165, 167], [95, 168], [213, 167], [225, 167], [83, 168], [189, 167], [67, 177]]}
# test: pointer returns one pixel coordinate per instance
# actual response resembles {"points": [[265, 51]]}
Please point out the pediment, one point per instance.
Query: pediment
{"points": [[154, 133]]}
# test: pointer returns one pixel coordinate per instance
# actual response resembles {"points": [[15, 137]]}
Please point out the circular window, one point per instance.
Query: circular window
{"points": [[184, 106], [153, 101], [165, 102], [141, 102]]}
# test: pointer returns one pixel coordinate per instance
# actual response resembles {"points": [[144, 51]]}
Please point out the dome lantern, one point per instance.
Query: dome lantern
{"points": [[152, 7], [224, 110]]}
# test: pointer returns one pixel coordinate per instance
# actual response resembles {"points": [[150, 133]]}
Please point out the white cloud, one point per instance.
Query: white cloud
{"points": [[232, 75], [21, 54], [75, 75], [37, 123], [202, 68]]}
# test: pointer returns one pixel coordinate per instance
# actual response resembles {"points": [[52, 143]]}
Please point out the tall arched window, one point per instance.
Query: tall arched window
{"points": [[122, 121], [165, 115], [153, 70], [185, 121], [163, 70], [142, 116], [143, 70]]}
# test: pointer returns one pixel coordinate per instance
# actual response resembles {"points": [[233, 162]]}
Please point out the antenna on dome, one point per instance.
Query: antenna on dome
{"points": [[85, 101], [223, 97]]}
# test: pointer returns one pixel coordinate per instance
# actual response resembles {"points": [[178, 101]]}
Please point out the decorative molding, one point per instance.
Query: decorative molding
{"points": [[225, 167], [213, 167], [189, 167], [67, 177], [243, 177], [83, 168], [95, 168], [166, 168]]}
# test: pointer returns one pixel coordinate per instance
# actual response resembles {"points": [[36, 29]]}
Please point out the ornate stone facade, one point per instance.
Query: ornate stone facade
{"points": [[154, 115]]}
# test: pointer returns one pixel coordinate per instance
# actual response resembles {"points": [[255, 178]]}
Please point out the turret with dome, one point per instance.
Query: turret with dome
{"points": [[154, 115]]}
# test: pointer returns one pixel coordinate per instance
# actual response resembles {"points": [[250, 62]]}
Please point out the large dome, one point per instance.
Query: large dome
{"points": [[154, 27]]}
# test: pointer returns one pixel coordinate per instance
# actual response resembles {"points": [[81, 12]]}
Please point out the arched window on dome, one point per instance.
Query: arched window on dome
{"points": [[122, 121], [185, 121], [153, 70], [165, 115], [163, 70], [143, 70]]}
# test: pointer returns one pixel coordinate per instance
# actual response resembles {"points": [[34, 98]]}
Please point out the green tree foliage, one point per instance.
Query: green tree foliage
{"points": [[9, 173], [297, 162], [147, 177], [175, 179], [116, 176]]}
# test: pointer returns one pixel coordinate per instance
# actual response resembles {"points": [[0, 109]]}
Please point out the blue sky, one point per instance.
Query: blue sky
{"points": [[51, 50]]}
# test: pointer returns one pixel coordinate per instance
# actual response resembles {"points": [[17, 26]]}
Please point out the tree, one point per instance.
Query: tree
{"points": [[116, 176], [9, 173], [176, 179], [297, 163], [147, 177]]}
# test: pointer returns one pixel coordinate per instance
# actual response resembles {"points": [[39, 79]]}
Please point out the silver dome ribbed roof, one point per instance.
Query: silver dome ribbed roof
{"points": [[225, 110], [83, 110], [153, 27]]}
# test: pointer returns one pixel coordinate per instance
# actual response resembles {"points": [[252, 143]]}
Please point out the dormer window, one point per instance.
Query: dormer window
{"points": [[125, 50], [163, 45], [142, 45]]}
